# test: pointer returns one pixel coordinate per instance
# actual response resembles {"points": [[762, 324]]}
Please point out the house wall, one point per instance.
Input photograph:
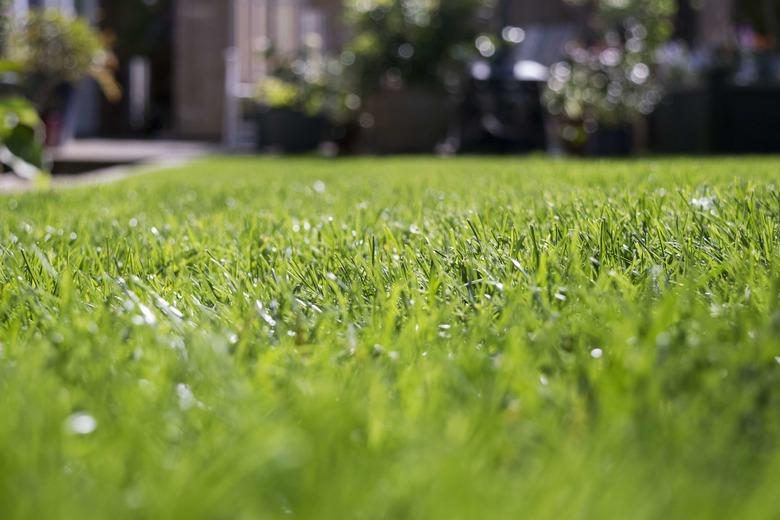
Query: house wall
{"points": [[331, 10], [251, 37], [203, 33], [281, 25]]}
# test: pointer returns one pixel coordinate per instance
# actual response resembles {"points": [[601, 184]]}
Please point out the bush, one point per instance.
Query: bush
{"points": [[410, 43], [395, 44], [308, 82], [611, 76], [53, 48]]}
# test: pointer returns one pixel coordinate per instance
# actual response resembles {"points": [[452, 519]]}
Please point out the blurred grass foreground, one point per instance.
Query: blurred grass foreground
{"points": [[408, 338]]}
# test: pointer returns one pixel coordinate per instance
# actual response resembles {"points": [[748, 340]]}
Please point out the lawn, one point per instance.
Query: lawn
{"points": [[407, 338]]}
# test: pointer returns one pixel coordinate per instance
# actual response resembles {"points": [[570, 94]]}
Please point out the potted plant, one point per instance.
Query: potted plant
{"points": [[55, 51], [600, 95], [403, 67], [300, 101]]}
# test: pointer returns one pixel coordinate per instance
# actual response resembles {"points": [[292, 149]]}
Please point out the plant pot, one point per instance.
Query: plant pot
{"points": [[346, 137], [289, 130], [405, 121], [611, 141], [681, 124]]}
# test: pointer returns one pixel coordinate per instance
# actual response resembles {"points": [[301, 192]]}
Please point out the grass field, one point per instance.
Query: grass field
{"points": [[407, 338]]}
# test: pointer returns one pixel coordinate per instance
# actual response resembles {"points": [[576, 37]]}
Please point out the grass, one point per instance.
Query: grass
{"points": [[408, 338]]}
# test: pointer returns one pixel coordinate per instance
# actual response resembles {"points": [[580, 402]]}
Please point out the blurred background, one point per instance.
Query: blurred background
{"points": [[576, 77]]}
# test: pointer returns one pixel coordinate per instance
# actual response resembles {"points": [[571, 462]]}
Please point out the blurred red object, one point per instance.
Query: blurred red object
{"points": [[52, 122]]}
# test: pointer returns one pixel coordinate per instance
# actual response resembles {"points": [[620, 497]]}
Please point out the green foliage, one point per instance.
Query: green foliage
{"points": [[53, 48], [394, 44], [21, 146], [655, 15], [16, 112], [52, 44], [400, 43], [611, 76], [309, 82], [7, 66], [411, 338], [276, 92]]}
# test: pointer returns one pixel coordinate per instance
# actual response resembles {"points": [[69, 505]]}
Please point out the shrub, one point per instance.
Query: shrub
{"points": [[308, 82], [53, 48], [400, 43], [395, 44], [611, 76]]}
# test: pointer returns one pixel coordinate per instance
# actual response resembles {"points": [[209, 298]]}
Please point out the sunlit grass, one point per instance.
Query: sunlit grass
{"points": [[410, 338]]}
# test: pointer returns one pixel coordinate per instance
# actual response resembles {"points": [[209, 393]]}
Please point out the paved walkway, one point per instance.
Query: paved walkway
{"points": [[133, 158], [125, 151]]}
